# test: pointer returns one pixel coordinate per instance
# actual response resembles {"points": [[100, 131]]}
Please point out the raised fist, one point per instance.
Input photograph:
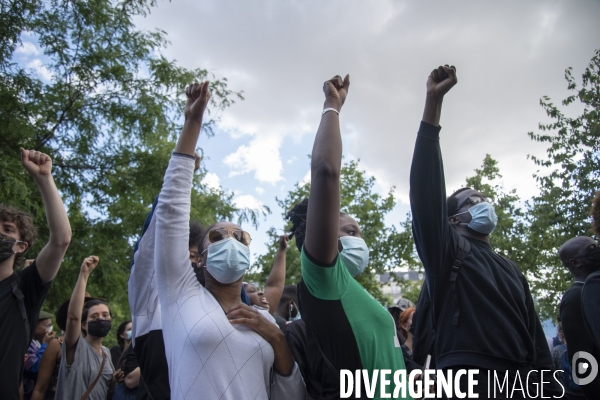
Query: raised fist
{"points": [[36, 164], [283, 242], [197, 100], [336, 91], [89, 264], [441, 80]]}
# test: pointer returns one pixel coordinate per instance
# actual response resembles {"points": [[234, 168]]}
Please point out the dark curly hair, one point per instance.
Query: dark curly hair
{"points": [[595, 213], [196, 234], [24, 223], [297, 216]]}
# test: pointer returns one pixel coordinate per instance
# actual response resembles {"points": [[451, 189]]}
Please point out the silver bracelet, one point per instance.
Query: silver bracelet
{"points": [[330, 109]]}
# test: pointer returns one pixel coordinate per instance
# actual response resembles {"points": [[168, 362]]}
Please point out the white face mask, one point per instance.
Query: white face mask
{"points": [[227, 260], [355, 254], [49, 329]]}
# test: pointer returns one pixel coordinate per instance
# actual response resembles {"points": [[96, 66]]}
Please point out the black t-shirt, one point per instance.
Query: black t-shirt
{"points": [[576, 334], [115, 355], [13, 335], [150, 353]]}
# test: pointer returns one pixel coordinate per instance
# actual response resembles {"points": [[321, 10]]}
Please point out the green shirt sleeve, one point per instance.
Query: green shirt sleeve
{"points": [[325, 283]]}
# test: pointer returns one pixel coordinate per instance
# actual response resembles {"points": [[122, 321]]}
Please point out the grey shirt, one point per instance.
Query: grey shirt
{"points": [[75, 379]]}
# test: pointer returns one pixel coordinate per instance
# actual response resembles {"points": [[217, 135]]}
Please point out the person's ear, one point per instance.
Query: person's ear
{"points": [[20, 247]]}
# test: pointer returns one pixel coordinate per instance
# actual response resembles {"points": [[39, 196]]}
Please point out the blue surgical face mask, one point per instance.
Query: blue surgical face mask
{"points": [[483, 218], [355, 254], [128, 335], [228, 260]]}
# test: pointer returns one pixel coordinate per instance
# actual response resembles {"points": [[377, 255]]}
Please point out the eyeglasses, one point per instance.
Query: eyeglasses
{"points": [[216, 235], [475, 200]]}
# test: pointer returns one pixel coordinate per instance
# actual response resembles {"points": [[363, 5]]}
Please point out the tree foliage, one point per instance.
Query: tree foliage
{"points": [[390, 246], [105, 104], [561, 210]]}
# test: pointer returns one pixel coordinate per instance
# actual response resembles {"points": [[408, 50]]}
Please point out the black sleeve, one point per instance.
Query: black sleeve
{"points": [[431, 228], [590, 299], [543, 356], [297, 344], [576, 334], [34, 293], [128, 361]]}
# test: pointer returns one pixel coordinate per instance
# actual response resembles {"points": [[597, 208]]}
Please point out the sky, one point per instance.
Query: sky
{"points": [[508, 55]]}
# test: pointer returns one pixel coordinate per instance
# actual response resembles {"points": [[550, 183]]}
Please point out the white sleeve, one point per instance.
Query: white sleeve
{"points": [[290, 387], [174, 274], [143, 297]]}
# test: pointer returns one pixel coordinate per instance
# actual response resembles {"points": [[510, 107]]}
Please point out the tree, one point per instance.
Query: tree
{"points": [[561, 210], [108, 115], [389, 246]]}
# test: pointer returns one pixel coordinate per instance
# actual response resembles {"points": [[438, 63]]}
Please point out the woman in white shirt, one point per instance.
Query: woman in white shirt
{"points": [[216, 346]]}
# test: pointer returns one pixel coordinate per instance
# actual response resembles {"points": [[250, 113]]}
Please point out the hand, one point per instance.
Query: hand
{"points": [[283, 242], [48, 337], [441, 80], [89, 264], [119, 376], [245, 315], [37, 164], [197, 100], [197, 161], [336, 91]]}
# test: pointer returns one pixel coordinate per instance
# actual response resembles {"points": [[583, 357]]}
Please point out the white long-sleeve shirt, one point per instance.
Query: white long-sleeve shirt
{"points": [[208, 357]]}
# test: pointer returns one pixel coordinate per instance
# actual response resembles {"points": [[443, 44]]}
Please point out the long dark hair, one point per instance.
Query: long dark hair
{"points": [[120, 331]]}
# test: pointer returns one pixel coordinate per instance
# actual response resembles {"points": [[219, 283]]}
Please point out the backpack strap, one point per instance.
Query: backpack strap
{"points": [[20, 299], [464, 247]]}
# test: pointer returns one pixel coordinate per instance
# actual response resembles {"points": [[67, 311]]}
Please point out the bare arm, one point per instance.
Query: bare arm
{"points": [[73, 330], [132, 380], [276, 279], [197, 100], [323, 215], [49, 360], [39, 166]]}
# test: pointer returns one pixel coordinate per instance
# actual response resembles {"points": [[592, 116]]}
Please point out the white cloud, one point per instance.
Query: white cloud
{"points": [[261, 155], [259, 190], [212, 181], [306, 178], [248, 201], [28, 49], [40, 69], [292, 159]]}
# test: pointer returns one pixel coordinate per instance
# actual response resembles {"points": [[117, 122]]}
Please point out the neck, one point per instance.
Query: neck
{"points": [[409, 341], [95, 342], [6, 268], [228, 295], [283, 311]]}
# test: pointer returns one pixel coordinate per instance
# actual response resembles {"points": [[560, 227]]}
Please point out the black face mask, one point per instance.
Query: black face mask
{"points": [[6, 247], [99, 328]]}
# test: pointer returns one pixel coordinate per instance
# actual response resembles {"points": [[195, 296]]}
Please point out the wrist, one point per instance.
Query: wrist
{"points": [[332, 103], [193, 122], [434, 99]]}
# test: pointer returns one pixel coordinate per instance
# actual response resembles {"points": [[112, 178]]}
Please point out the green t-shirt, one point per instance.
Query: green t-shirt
{"points": [[338, 304]]}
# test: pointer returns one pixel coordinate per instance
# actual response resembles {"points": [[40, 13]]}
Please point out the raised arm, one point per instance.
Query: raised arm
{"points": [[322, 220], [276, 279], [47, 365], [171, 254], [39, 166], [427, 183], [73, 331]]}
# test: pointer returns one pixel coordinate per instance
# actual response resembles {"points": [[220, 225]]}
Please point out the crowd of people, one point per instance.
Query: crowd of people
{"points": [[199, 331]]}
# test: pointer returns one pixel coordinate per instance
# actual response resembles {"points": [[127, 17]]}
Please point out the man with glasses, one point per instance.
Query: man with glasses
{"points": [[481, 307]]}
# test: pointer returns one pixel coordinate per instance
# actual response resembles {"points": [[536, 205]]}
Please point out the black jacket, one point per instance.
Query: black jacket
{"points": [[498, 327]]}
